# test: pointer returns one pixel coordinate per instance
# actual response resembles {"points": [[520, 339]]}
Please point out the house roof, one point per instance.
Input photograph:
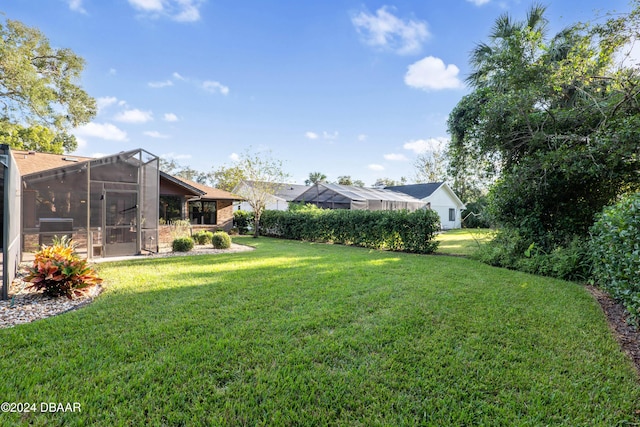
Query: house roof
{"points": [[208, 193], [327, 192], [419, 191], [423, 191], [32, 162]]}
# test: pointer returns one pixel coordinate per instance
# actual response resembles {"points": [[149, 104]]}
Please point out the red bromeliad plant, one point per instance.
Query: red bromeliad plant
{"points": [[57, 270]]}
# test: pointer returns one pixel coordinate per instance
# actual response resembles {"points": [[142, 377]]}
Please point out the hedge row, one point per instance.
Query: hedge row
{"points": [[391, 230], [615, 248]]}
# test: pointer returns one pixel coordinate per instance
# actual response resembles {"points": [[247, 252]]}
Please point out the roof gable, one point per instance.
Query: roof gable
{"points": [[419, 191]]}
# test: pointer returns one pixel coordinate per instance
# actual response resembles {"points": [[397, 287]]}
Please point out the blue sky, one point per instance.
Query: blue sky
{"points": [[355, 88]]}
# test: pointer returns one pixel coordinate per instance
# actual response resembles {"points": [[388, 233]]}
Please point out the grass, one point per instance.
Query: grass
{"points": [[310, 334], [463, 241]]}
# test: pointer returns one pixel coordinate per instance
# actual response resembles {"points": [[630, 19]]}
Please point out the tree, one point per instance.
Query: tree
{"points": [[346, 180], [555, 120], [388, 182], [263, 177], [174, 168], [315, 178], [431, 166], [227, 177], [40, 96]]}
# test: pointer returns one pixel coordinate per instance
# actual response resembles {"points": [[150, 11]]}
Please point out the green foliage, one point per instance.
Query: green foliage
{"points": [[39, 89], [202, 237], [58, 271], [243, 220], [474, 215], [391, 230], [510, 249], [555, 119], [221, 240], [615, 247], [182, 244]]}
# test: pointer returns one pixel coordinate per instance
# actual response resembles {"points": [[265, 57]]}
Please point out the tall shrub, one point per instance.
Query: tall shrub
{"points": [[615, 247], [390, 230]]}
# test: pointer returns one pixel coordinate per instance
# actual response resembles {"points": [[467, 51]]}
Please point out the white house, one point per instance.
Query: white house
{"points": [[279, 201], [440, 198]]}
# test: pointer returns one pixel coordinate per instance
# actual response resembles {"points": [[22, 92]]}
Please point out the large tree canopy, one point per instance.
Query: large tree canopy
{"points": [[557, 119], [40, 97]]}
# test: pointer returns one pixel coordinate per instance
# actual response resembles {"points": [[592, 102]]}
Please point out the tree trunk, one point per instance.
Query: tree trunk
{"points": [[256, 224]]}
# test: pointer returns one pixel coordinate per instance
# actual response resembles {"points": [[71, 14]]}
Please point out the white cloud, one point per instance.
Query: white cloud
{"points": [[76, 6], [375, 167], [147, 5], [431, 73], [396, 157], [170, 117], [156, 134], [311, 135], [386, 30], [362, 137], [177, 10], [235, 157], [177, 76], [157, 85], [106, 101], [629, 56], [420, 146], [330, 136], [134, 116], [113, 71], [215, 87], [106, 131], [479, 2]]}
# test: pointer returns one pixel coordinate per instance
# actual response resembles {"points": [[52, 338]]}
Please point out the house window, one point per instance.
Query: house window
{"points": [[203, 212], [170, 208], [452, 215]]}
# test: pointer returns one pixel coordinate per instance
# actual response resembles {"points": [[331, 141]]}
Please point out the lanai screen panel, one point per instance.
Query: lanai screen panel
{"points": [[150, 201], [334, 196], [11, 220], [55, 203]]}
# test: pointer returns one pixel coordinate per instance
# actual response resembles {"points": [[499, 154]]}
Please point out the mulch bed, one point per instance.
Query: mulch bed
{"points": [[627, 335]]}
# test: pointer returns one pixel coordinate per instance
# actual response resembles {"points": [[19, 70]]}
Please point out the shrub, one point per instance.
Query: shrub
{"points": [[243, 221], [180, 228], [182, 244], [221, 240], [202, 237], [57, 270], [390, 230], [615, 250]]}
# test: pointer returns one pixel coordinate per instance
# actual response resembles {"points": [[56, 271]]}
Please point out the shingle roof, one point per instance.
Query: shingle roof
{"points": [[419, 191], [210, 192], [31, 162]]}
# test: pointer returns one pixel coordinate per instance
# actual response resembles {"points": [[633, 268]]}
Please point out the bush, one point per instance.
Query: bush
{"points": [[390, 230], [57, 270], [202, 237], [221, 240], [182, 244], [243, 221], [615, 250], [509, 249], [474, 215]]}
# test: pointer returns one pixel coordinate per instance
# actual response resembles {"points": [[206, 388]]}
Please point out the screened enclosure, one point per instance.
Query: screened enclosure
{"points": [[107, 206], [10, 212], [335, 196]]}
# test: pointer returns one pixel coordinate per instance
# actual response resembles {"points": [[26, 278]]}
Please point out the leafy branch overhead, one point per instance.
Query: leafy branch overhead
{"points": [[39, 91], [555, 118]]}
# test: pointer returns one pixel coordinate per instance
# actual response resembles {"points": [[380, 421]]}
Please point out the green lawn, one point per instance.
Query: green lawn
{"points": [[463, 241], [311, 334]]}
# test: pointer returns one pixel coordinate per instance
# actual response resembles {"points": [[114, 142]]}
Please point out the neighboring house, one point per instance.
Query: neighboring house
{"points": [[279, 201], [202, 205], [336, 196], [439, 197]]}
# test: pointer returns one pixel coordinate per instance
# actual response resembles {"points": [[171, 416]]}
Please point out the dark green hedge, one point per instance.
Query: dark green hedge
{"points": [[391, 230], [615, 248]]}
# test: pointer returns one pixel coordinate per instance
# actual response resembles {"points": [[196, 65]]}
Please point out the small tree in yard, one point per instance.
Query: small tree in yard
{"points": [[263, 178]]}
